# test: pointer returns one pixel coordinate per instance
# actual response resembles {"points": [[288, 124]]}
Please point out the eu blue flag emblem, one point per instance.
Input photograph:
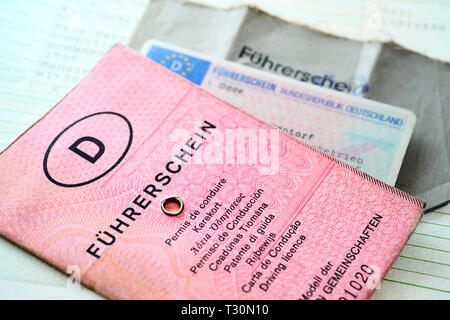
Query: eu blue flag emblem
{"points": [[193, 69]]}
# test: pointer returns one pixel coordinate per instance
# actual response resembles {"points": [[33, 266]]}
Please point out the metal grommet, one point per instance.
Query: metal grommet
{"points": [[172, 206]]}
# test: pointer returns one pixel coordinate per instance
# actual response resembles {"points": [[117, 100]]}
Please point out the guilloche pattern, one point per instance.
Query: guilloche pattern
{"points": [[58, 205]]}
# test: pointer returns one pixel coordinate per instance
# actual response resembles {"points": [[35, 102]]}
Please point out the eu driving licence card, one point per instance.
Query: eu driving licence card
{"points": [[368, 135]]}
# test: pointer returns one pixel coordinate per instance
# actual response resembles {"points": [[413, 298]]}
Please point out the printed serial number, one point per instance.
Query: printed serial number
{"points": [[361, 279]]}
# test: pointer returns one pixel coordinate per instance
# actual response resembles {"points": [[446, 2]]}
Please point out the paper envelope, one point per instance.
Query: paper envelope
{"points": [[154, 188], [374, 71]]}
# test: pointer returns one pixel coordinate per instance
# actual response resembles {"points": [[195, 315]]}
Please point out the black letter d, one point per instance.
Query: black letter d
{"points": [[91, 159]]}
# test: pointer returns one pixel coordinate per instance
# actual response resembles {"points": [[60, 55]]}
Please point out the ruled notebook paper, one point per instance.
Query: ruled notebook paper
{"points": [[46, 48], [422, 270]]}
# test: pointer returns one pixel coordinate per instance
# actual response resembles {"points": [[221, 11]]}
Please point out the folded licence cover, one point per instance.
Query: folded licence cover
{"points": [[154, 188]]}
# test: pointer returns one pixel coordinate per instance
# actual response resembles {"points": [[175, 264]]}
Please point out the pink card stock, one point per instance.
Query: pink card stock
{"points": [[249, 213]]}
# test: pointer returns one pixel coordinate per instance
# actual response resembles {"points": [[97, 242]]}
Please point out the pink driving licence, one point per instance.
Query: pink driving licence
{"points": [[155, 189]]}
